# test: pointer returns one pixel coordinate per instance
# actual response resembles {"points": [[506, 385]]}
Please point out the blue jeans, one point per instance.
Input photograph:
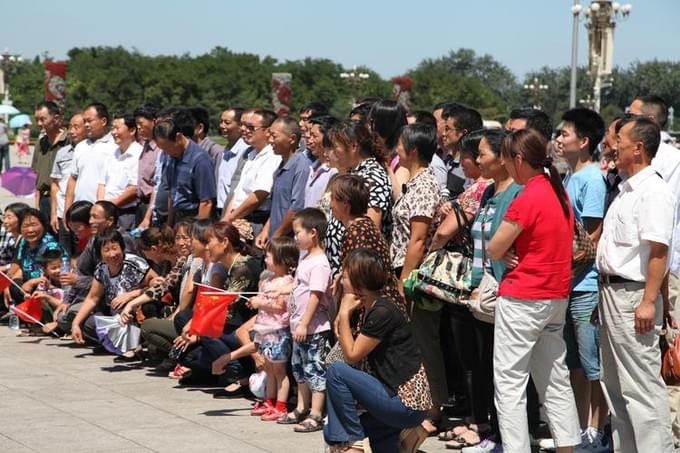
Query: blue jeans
{"points": [[386, 415], [581, 336]]}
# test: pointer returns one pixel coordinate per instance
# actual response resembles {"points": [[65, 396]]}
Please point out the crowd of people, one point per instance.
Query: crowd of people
{"points": [[326, 227]]}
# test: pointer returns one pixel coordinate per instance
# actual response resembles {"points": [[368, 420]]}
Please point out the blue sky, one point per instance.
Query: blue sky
{"points": [[387, 36]]}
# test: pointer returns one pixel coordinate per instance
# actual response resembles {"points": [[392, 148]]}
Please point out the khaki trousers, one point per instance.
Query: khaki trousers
{"points": [[528, 338], [631, 373]]}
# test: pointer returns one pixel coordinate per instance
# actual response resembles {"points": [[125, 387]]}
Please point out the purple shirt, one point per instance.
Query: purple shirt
{"points": [[319, 175], [147, 169]]}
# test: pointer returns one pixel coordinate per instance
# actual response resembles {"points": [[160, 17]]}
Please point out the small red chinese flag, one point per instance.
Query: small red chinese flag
{"points": [[210, 313], [30, 310], [5, 281]]}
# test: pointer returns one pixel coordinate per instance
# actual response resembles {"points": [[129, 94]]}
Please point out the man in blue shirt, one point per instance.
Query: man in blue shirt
{"points": [[190, 173], [578, 140], [288, 190]]}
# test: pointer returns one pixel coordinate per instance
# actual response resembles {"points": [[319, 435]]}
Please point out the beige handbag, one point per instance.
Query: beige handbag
{"points": [[483, 307]]}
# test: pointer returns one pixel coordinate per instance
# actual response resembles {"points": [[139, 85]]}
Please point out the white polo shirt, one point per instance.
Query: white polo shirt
{"points": [[257, 174], [121, 172], [643, 211], [89, 162], [667, 164]]}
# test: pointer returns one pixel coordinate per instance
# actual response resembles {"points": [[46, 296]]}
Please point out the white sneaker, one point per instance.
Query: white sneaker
{"points": [[546, 444]]}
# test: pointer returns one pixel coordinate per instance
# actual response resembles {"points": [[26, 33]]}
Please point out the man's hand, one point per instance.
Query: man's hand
{"points": [[68, 278], [54, 223], [645, 314]]}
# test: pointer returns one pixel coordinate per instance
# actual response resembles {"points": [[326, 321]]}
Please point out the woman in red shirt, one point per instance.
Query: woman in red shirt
{"points": [[535, 241]]}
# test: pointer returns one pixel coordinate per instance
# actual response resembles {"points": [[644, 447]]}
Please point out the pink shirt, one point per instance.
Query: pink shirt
{"points": [[313, 274], [268, 321]]}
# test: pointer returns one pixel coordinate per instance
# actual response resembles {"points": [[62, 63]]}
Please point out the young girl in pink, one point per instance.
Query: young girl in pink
{"points": [[272, 331]]}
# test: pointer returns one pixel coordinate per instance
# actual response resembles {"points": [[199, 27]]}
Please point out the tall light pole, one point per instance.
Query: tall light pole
{"points": [[355, 78], [601, 17], [575, 11], [8, 62]]}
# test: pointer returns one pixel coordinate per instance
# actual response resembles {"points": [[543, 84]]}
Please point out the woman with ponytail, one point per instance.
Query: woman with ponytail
{"points": [[535, 242]]}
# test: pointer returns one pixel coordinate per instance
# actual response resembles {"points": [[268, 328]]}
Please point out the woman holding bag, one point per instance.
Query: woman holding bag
{"points": [[535, 240]]}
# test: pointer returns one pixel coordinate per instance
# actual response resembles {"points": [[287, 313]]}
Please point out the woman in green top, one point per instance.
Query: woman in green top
{"points": [[493, 205]]}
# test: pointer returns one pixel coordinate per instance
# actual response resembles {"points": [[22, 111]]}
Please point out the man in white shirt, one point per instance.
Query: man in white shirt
{"points": [[230, 129], [118, 182], [61, 170], [90, 156], [251, 195], [632, 259]]}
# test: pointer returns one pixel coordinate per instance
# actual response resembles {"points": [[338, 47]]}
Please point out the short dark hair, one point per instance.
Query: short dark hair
{"points": [[448, 105], [313, 219], [238, 111], [422, 137], [101, 109], [424, 117], [51, 255], [107, 236], [535, 119], [348, 133], [110, 210], [146, 110], [363, 107], [268, 116], [325, 123], [284, 252], [469, 143], [587, 123], [655, 106], [17, 209], [466, 119], [387, 117], [51, 106], [365, 269], [494, 137], [352, 189], [201, 116], [645, 130], [199, 230], [33, 212], [290, 125], [128, 119], [178, 121], [79, 212], [314, 109]]}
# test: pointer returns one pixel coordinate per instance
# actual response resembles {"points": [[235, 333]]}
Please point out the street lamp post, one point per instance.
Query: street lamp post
{"points": [[575, 11], [355, 78], [536, 89], [601, 17], [8, 62]]}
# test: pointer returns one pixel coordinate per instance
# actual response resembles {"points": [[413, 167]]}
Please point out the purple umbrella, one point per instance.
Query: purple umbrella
{"points": [[19, 180]]}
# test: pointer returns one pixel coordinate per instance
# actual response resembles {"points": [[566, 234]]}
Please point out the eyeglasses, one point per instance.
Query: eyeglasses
{"points": [[253, 128]]}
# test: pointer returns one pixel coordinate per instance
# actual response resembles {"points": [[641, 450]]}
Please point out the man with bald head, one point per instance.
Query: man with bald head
{"points": [[288, 189]]}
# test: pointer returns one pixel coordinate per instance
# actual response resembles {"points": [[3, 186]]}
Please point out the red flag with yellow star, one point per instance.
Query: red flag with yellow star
{"points": [[210, 313]]}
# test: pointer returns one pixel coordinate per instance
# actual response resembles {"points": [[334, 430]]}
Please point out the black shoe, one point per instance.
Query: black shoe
{"points": [[99, 350]]}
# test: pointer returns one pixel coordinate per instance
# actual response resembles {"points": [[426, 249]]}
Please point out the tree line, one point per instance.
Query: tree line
{"points": [[124, 79]]}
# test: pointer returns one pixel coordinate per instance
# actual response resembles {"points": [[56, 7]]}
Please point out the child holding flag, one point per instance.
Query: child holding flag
{"points": [[310, 323], [272, 331]]}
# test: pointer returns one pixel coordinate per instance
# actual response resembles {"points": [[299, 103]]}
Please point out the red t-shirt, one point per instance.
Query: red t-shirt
{"points": [[544, 247]]}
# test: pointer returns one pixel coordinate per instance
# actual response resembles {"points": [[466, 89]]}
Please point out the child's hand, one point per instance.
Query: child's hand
{"points": [[42, 295], [255, 302], [300, 333]]}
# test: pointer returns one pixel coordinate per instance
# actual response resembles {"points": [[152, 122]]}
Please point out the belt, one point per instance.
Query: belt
{"points": [[614, 279], [130, 210]]}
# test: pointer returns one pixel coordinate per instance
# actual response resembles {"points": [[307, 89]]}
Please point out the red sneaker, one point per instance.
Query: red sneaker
{"points": [[261, 408], [273, 414]]}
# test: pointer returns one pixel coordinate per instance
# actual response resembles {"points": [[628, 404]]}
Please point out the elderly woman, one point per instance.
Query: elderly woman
{"points": [[118, 278]]}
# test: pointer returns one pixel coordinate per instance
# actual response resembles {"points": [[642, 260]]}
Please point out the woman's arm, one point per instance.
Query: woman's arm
{"points": [[447, 229], [502, 240], [89, 304], [353, 350], [416, 247]]}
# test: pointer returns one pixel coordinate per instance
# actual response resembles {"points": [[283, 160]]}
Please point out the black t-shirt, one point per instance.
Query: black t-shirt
{"points": [[396, 358]]}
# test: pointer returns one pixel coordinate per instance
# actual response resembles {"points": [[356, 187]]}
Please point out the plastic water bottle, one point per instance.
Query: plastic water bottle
{"points": [[65, 269], [13, 320], [136, 232]]}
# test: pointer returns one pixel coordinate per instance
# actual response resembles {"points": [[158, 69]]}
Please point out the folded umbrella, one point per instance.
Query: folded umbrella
{"points": [[114, 337]]}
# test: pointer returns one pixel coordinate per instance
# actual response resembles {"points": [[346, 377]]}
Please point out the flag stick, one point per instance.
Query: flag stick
{"points": [[221, 291], [16, 309], [14, 283]]}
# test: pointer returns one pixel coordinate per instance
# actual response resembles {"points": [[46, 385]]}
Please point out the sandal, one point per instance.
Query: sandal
{"points": [[179, 372], [467, 440], [295, 419], [310, 424]]}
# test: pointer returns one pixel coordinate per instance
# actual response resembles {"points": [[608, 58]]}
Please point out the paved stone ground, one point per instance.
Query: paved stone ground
{"points": [[59, 397]]}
